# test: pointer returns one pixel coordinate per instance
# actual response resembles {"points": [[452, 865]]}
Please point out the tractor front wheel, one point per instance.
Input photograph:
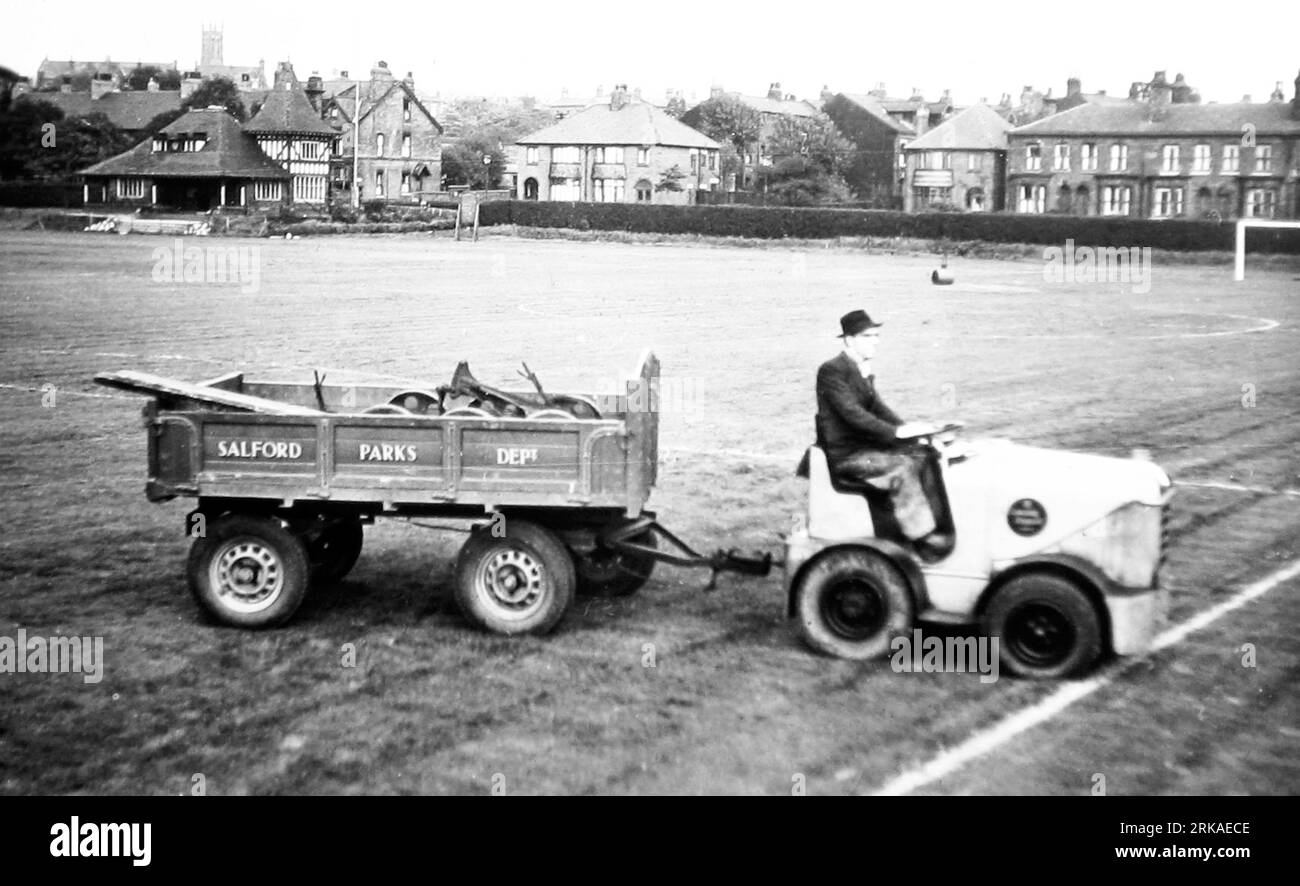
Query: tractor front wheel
{"points": [[1046, 625]]}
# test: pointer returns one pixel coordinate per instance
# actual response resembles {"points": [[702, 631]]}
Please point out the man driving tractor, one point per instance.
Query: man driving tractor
{"points": [[860, 436]]}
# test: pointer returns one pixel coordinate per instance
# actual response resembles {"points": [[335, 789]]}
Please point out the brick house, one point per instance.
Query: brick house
{"points": [[1152, 157], [202, 161], [617, 152], [400, 153], [290, 131], [961, 163], [771, 110], [875, 171]]}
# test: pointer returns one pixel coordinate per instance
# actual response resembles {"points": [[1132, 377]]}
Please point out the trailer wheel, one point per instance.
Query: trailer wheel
{"points": [[1047, 626], [521, 583], [248, 572], [851, 603], [605, 572], [335, 551]]}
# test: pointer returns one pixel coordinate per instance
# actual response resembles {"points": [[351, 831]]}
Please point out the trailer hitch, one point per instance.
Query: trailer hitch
{"points": [[622, 539]]}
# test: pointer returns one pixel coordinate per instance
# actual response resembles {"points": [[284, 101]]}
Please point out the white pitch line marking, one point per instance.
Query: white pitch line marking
{"points": [[59, 392], [1000, 733], [1235, 487]]}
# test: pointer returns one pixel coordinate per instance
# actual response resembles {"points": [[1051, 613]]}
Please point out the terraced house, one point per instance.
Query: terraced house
{"points": [[1158, 158], [623, 151]]}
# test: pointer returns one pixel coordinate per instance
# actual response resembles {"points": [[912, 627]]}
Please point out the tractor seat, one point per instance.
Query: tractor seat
{"points": [[843, 509]]}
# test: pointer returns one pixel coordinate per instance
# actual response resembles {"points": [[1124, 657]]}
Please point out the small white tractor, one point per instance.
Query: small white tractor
{"points": [[1056, 553]]}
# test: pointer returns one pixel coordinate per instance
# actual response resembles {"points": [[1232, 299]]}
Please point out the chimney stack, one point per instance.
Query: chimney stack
{"points": [[190, 82], [101, 85], [1073, 87], [774, 91], [1278, 95], [380, 72], [1162, 93], [315, 89], [716, 91], [618, 97]]}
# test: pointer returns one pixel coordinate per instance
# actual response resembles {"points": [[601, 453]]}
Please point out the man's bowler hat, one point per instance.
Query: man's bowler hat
{"points": [[855, 322]]}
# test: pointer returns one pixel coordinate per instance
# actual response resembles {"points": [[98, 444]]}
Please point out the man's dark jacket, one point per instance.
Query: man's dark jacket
{"points": [[851, 416]]}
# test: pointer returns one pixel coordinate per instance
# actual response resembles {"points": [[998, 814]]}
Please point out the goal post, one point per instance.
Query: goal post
{"points": [[1239, 272]]}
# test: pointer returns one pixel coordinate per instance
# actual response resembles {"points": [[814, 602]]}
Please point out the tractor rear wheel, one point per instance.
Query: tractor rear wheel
{"points": [[1046, 625], [519, 583], [852, 602]]}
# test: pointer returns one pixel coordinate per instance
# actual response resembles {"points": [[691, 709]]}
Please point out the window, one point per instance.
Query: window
{"points": [[566, 188], [1168, 203], [406, 182], [932, 196], [975, 162], [1201, 160], [937, 160], [713, 160], [644, 191], [406, 145], [130, 187], [565, 155], [1264, 159], [643, 157], [1261, 203], [608, 190], [1169, 160], [531, 156], [334, 113], [1033, 158], [1032, 198], [311, 150], [1061, 158], [159, 144], [1231, 159], [266, 190], [379, 145], [406, 110], [379, 182], [609, 155], [309, 188], [695, 162], [1088, 157], [1118, 158], [975, 200], [1115, 200]]}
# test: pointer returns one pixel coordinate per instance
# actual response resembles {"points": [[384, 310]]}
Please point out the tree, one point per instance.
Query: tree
{"points": [[140, 77], [809, 157], [671, 180], [77, 142], [728, 120], [22, 131], [162, 121], [218, 91], [462, 162]]}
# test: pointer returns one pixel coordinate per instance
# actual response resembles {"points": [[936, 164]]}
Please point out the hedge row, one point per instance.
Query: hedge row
{"points": [[823, 223], [30, 194]]}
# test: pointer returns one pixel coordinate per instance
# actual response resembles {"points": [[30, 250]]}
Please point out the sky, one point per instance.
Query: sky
{"points": [[540, 47]]}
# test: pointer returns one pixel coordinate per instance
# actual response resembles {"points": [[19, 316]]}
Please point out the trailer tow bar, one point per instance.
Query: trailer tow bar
{"points": [[620, 539]]}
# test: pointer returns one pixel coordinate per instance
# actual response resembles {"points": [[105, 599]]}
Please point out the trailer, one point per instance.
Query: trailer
{"points": [[554, 487]]}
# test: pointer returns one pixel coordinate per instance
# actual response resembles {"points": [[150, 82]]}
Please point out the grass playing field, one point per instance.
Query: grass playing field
{"points": [[1199, 370]]}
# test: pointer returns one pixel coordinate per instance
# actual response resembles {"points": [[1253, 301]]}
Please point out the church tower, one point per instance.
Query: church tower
{"points": [[211, 46]]}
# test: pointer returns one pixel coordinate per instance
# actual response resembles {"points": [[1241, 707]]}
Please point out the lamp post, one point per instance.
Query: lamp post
{"points": [[487, 172]]}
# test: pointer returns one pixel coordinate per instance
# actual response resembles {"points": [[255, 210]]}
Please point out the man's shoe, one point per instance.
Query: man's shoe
{"points": [[933, 547]]}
